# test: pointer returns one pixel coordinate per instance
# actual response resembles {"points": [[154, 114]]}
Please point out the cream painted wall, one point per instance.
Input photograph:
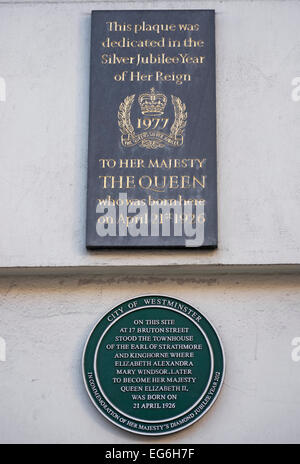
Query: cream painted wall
{"points": [[44, 60], [249, 287], [46, 321]]}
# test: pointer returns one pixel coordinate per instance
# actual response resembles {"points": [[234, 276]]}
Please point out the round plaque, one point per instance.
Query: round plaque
{"points": [[153, 365]]}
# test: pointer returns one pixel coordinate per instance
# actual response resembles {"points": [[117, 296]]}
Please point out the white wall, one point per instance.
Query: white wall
{"points": [[43, 145], [44, 321]]}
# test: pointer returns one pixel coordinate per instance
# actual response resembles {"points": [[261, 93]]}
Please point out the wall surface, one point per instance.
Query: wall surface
{"points": [[53, 291], [43, 146], [46, 322]]}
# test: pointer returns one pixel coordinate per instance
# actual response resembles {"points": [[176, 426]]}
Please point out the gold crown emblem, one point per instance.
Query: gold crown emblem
{"points": [[152, 102]]}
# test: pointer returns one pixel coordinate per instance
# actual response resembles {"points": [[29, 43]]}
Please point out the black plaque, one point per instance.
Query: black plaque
{"points": [[152, 135]]}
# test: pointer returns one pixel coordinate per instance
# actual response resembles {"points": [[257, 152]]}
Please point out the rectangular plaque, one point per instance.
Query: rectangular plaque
{"points": [[152, 131]]}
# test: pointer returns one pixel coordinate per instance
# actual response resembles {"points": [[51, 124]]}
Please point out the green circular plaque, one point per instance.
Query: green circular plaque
{"points": [[153, 365]]}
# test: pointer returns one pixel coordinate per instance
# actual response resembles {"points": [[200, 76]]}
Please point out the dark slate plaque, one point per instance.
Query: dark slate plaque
{"points": [[152, 136]]}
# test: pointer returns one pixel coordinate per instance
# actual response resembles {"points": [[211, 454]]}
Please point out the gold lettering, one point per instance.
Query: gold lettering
{"points": [[198, 181]]}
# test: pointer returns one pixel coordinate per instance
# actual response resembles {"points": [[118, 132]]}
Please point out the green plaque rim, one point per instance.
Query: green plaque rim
{"points": [[123, 420]]}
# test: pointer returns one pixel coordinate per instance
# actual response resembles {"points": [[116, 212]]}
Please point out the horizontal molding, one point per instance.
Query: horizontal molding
{"points": [[163, 270]]}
